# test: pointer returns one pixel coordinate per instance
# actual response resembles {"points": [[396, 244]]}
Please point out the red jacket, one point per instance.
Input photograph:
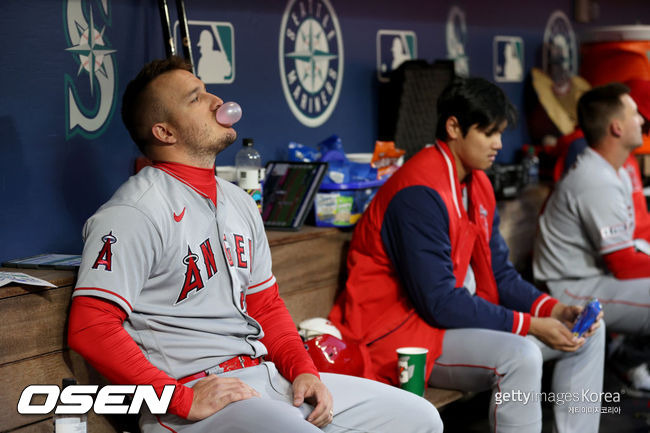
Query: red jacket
{"points": [[375, 310]]}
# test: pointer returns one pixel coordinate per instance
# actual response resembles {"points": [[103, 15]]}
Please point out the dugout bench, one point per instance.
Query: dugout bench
{"points": [[309, 266]]}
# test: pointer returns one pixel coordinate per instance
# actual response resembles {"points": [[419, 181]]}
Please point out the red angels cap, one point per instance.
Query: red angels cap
{"points": [[640, 92]]}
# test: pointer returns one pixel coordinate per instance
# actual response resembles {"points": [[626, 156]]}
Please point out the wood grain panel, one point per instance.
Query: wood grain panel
{"points": [[311, 263], [440, 397], [33, 324], [44, 426], [276, 237], [519, 224], [304, 304]]}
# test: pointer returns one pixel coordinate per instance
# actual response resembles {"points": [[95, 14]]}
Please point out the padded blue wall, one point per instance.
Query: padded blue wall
{"points": [[52, 179]]}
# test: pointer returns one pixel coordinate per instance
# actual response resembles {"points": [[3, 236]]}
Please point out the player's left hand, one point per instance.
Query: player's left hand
{"points": [[568, 314], [309, 388]]}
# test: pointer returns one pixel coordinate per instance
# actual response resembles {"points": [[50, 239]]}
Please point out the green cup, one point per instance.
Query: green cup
{"points": [[411, 366]]}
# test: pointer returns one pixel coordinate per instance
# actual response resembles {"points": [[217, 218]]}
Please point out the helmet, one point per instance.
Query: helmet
{"points": [[334, 355], [316, 326]]}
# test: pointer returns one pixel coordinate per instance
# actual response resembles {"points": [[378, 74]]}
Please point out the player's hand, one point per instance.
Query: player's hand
{"points": [[555, 334], [309, 388], [214, 393], [568, 314]]}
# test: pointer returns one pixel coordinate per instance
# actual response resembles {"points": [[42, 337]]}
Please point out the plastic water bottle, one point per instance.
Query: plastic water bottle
{"points": [[248, 164], [70, 423]]}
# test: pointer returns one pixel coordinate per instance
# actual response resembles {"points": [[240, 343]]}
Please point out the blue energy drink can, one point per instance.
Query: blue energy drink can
{"points": [[587, 317]]}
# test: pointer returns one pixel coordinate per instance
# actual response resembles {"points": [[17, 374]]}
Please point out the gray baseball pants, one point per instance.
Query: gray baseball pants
{"points": [[511, 366], [360, 405]]}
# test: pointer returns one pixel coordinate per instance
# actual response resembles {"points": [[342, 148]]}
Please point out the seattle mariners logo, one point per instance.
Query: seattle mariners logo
{"points": [[559, 48], [311, 60], [88, 111]]}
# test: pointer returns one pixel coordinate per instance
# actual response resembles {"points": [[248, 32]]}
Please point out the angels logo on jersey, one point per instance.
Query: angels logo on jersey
{"points": [[193, 278], [193, 282], [105, 256]]}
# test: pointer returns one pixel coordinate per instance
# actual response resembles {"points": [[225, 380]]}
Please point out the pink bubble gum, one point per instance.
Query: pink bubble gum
{"points": [[229, 114]]}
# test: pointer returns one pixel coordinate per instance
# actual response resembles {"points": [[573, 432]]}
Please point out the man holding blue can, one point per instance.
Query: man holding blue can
{"points": [[428, 267], [588, 242]]}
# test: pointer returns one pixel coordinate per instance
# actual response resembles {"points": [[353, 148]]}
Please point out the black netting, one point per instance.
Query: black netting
{"points": [[407, 104]]}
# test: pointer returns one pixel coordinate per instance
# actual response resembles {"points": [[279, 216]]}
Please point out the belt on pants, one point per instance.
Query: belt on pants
{"points": [[241, 361]]}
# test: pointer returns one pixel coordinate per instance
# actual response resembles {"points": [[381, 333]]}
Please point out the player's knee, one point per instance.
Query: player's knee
{"points": [[527, 359], [601, 331], [426, 417], [436, 422], [596, 342], [417, 413]]}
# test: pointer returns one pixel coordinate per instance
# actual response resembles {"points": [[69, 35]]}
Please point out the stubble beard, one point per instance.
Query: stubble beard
{"points": [[215, 145]]}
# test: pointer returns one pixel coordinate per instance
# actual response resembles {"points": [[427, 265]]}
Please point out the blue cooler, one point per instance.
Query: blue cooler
{"points": [[341, 204]]}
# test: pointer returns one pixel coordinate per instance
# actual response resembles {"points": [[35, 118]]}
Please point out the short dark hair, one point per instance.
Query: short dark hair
{"points": [[473, 101], [597, 107], [137, 102]]}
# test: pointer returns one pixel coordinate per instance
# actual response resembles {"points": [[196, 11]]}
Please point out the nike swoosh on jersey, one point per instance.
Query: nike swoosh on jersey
{"points": [[178, 218]]}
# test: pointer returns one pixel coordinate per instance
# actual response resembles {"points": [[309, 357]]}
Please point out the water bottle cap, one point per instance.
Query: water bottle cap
{"points": [[248, 142]]}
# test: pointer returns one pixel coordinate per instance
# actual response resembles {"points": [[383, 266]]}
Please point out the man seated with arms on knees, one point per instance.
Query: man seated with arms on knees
{"points": [[428, 267], [175, 287], [586, 245]]}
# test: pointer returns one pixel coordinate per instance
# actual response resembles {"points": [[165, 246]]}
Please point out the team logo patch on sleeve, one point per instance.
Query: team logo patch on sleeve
{"points": [[105, 256]]}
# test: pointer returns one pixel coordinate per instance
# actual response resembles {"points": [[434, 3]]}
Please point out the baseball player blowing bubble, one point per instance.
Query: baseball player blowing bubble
{"points": [[176, 285]]}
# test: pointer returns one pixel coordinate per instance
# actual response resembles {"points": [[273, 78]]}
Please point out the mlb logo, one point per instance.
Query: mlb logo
{"points": [[394, 47], [213, 50], [508, 59]]}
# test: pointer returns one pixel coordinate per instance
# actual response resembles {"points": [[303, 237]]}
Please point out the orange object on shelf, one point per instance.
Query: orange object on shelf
{"points": [[615, 53], [604, 62], [618, 53], [386, 158]]}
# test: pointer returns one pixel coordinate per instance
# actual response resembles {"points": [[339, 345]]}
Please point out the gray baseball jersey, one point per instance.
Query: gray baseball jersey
{"points": [[589, 214], [180, 267]]}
